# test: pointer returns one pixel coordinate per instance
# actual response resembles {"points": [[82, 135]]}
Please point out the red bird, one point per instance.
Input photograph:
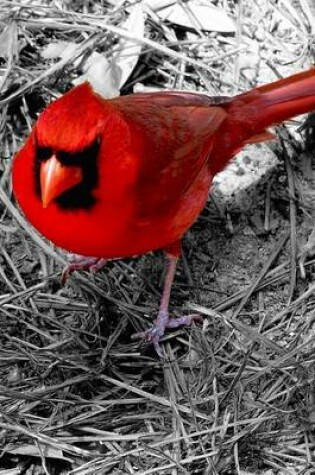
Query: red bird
{"points": [[121, 177]]}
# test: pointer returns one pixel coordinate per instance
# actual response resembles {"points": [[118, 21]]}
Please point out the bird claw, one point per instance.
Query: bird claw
{"points": [[79, 263], [157, 331]]}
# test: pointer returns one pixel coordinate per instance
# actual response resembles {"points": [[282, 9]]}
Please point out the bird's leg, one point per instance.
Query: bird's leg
{"points": [[163, 320], [78, 262]]}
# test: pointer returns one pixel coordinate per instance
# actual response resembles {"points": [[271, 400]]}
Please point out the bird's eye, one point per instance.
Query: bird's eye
{"points": [[66, 158], [80, 157], [43, 153]]}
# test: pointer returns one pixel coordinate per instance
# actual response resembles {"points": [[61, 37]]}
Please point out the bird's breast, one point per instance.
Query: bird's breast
{"points": [[120, 223], [114, 227]]}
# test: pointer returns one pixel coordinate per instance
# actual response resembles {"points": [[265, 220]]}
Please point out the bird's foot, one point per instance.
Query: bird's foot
{"points": [[163, 321], [77, 262]]}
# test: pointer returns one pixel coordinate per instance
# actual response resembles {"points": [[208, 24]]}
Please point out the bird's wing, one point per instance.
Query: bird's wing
{"points": [[176, 98], [175, 132]]}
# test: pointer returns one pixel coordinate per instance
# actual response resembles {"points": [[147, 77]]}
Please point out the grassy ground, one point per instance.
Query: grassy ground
{"points": [[234, 395]]}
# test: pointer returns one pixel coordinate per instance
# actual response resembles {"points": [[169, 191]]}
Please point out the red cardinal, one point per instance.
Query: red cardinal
{"points": [[122, 177]]}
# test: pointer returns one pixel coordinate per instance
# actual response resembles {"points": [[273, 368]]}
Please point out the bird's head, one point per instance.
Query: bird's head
{"points": [[67, 141]]}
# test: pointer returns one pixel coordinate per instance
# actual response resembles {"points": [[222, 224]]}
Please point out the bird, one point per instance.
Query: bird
{"points": [[115, 178]]}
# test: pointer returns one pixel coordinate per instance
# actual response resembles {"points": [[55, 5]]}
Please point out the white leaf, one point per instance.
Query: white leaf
{"points": [[9, 41], [116, 3], [59, 49], [103, 75], [129, 51], [197, 14]]}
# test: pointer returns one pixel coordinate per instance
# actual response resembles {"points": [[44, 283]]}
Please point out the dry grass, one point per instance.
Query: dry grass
{"points": [[234, 395]]}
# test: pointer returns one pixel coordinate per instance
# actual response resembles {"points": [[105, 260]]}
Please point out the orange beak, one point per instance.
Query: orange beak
{"points": [[56, 178]]}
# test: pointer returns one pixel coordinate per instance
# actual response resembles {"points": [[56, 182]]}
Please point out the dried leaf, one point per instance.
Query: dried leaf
{"points": [[8, 41], [59, 49], [103, 75], [97, 70], [116, 3], [107, 76], [196, 14], [128, 50], [33, 450], [156, 5]]}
